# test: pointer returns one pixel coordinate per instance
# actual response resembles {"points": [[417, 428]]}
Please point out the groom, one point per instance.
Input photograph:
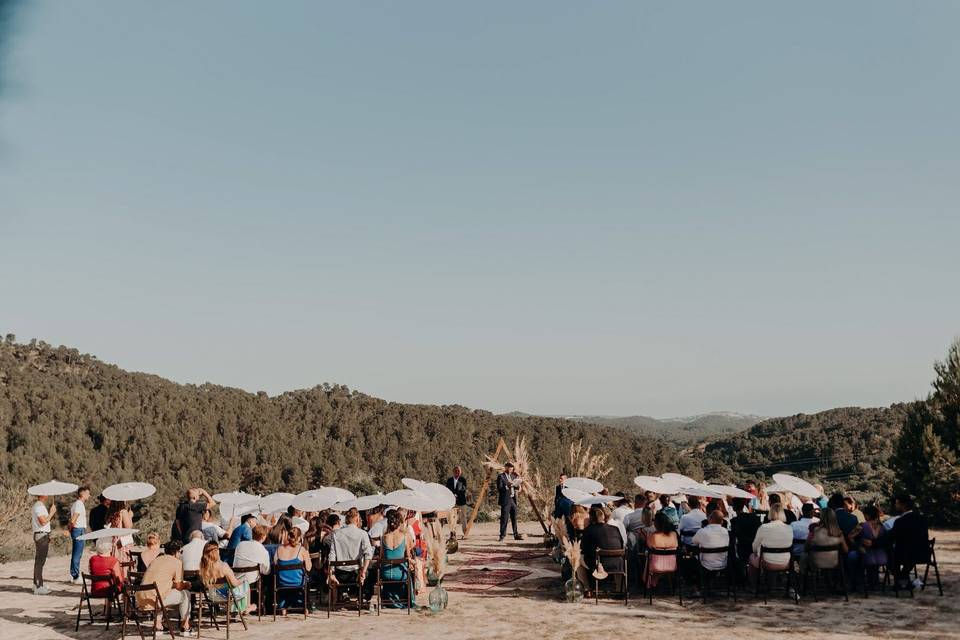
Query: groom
{"points": [[508, 488]]}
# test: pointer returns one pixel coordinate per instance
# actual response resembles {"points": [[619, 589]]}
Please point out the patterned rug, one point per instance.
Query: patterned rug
{"points": [[482, 579]]}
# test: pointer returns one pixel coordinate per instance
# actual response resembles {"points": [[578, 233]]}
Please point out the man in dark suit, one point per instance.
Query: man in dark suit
{"points": [[911, 541], [457, 485], [508, 488], [743, 529]]}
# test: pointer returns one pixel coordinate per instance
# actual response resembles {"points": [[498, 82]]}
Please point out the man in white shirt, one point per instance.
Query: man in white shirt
{"points": [[623, 508], [692, 521], [775, 533], [252, 553], [40, 519], [192, 552], [713, 536], [78, 527], [801, 528], [633, 521], [350, 542]]}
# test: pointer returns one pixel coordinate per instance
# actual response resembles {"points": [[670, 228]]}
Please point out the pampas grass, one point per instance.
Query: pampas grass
{"points": [[586, 464], [532, 481], [574, 557], [437, 557]]}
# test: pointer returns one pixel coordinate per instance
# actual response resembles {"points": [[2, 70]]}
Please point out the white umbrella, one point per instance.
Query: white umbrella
{"points": [[301, 524], [109, 532], [410, 499], [583, 484], [275, 502], [52, 488], [591, 500], [234, 497], [731, 491], [680, 480], [574, 495], [796, 485], [774, 488], [655, 484], [315, 500], [412, 483], [443, 496], [363, 503], [700, 490], [127, 491]]}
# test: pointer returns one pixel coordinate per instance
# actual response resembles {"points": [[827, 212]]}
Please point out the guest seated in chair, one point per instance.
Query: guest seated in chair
{"points": [[599, 535], [396, 544]]}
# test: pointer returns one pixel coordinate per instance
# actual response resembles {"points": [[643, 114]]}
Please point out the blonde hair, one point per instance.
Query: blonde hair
{"points": [[105, 546], [208, 564], [776, 513]]}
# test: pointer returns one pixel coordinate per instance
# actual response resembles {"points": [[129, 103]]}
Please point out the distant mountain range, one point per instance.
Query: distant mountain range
{"points": [[683, 431]]}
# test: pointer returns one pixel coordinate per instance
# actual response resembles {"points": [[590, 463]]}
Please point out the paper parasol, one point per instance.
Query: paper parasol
{"points": [[52, 488], [128, 491], [109, 532], [796, 485], [731, 491], [583, 484], [363, 503]]}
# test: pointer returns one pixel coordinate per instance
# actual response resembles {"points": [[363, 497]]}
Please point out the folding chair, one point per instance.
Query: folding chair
{"points": [[334, 589], [315, 581], [196, 598], [407, 580], [230, 606], [675, 580], [133, 612], [707, 575], [136, 559], [112, 597], [931, 561], [770, 573], [255, 585], [612, 553], [816, 571], [277, 589]]}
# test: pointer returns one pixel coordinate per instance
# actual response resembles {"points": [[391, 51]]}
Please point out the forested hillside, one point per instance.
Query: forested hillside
{"points": [[850, 446], [681, 431], [72, 417]]}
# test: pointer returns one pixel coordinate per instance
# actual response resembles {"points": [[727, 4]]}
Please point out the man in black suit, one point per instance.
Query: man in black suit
{"points": [[457, 485], [911, 541], [743, 530], [508, 488]]}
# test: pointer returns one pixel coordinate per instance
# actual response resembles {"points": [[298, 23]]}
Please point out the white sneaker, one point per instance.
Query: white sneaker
{"points": [[76, 580], [917, 583], [41, 591]]}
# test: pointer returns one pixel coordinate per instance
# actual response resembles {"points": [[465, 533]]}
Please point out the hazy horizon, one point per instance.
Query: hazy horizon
{"points": [[629, 208]]}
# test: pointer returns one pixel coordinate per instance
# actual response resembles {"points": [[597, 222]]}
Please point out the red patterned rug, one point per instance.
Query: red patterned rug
{"points": [[481, 579]]}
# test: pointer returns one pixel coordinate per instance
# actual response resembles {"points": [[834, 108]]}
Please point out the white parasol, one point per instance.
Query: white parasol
{"points": [[796, 485], [700, 490], [443, 496], [574, 495], [680, 480], [412, 483], [275, 502], [109, 532], [412, 500], [731, 491], [316, 499], [774, 488], [583, 484], [591, 500], [127, 491], [234, 497], [363, 503], [655, 484], [52, 488], [301, 524]]}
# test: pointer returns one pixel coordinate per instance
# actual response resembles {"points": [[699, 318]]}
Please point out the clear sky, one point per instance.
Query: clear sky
{"points": [[558, 207]]}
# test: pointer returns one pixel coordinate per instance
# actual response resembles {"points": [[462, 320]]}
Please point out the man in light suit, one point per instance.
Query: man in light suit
{"points": [[509, 486]]}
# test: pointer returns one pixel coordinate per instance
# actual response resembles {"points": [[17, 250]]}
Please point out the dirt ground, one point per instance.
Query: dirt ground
{"points": [[532, 606]]}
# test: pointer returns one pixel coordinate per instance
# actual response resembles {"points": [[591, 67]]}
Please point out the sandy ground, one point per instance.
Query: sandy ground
{"points": [[532, 607]]}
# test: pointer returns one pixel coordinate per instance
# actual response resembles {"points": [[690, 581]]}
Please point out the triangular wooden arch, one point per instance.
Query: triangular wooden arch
{"points": [[501, 449]]}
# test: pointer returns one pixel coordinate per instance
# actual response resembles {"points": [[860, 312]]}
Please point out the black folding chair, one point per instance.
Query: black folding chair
{"points": [[256, 585], [134, 613], [612, 553], [111, 597], [931, 562], [708, 575], [277, 570], [675, 580], [334, 589], [766, 573], [815, 570], [229, 604], [407, 580]]}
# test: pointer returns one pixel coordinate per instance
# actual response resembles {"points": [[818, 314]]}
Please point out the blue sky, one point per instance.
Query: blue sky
{"points": [[559, 207]]}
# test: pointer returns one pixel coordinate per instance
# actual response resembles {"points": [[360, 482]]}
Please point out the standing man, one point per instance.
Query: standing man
{"points": [[508, 488], [190, 514], [40, 519], [458, 487], [98, 515], [558, 496], [78, 527]]}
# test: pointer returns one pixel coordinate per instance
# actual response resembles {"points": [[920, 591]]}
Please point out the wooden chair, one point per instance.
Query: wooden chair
{"points": [[816, 571], [707, 575], [277, 590], [133, 577], [255, 585], [229, 604], [403, 563], [315, 579], [196, 598], [769, 572], [612, 553], [132, 611], [136, 559], [675, 584], [334, 589], [112, 597], [931, 562]]}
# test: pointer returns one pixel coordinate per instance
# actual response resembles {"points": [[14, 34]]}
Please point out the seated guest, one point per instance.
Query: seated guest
{"points": [[213, 532], [166, 571], [692, 521], [802, 529], [376, 524], [652, 501], [219, 580], [872, 538], [396, 544], [350, 542], [599, 535], [633, 521], [648, 526], [240, 534], [788, 514], [713, 536], [290, 553], [577, 522], [252, 553], [192, 553], [774, 533], [743, 528], [621, 507], [911, 541], [669, 510], [664, 537], [850, 504], [150, 552], [332, 525], [826, 533], [847, 521], [107, 573]]}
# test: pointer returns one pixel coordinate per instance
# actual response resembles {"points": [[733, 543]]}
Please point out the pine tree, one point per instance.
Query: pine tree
{"points": [[925, 459]]}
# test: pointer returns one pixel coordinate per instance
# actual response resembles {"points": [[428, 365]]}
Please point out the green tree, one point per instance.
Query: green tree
{"points": [[925, 458]]}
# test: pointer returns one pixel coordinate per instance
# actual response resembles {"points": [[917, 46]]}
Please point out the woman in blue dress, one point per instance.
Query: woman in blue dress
{"points": [[396, 545], [290, 581]]}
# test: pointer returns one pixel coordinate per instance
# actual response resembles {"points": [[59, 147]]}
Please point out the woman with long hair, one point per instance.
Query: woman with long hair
{"points": [[290, 553], [827, 533], [150, 552], [664, 537], [874, 552], [397, 544], [120, 517], [219, 580]]}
